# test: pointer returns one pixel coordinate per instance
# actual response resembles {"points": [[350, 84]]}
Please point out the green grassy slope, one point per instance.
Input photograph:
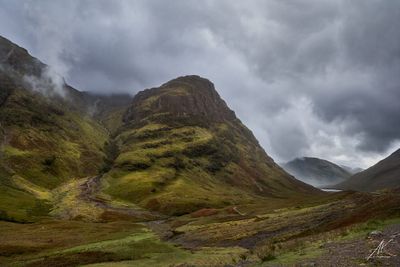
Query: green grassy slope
{"points": [[181, 148], [47, 144], [18, 205]]}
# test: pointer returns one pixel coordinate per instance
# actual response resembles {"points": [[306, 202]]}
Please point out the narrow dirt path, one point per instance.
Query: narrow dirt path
{"points": [[91, 187], [79, 199], [155, 221]]}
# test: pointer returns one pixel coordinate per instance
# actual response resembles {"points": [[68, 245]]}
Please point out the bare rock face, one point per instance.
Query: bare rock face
{"points": [[185, 97]]}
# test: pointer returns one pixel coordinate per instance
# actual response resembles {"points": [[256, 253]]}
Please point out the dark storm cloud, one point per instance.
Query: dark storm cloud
{"points": [[309, 77], [371, 50]]}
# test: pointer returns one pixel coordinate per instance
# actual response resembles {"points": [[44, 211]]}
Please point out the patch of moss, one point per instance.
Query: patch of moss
{"points": [[19, 206]]}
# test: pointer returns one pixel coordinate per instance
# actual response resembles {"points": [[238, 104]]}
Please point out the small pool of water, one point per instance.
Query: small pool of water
{"points": [[331, 190]]}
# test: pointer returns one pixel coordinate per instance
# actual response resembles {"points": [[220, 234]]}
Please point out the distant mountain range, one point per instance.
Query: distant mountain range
{"points": [[317, 172], [384, 174]]}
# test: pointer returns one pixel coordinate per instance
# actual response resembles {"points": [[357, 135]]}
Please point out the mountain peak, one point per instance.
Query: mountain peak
{"points": [[184, 137], [187, 97], [315, 171], [193, 80]]}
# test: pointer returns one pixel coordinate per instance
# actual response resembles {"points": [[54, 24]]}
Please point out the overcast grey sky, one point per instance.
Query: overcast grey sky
{"points": [[309, 77]]}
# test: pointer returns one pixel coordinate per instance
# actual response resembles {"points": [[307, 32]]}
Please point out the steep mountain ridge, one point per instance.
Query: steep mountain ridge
{"points": [[18, 59], [47, 136], [181, 148], [384, 174], [315, 171]]}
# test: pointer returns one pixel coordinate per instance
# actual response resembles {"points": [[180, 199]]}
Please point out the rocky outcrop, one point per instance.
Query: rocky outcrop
{"points": [[185, 97]]}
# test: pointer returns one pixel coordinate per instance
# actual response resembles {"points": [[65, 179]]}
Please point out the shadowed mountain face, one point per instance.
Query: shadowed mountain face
{"points": [[174, 149], [317, 172], [384, 174]]}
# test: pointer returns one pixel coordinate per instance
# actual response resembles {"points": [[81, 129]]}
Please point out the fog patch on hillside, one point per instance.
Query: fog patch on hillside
{"points": [[49, 83]]}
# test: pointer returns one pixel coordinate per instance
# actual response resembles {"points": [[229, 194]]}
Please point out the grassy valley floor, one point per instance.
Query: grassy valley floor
{"points": [[320, 231]]}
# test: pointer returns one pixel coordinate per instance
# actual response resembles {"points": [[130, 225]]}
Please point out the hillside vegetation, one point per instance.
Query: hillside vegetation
{"points": [[170, 177], [46, 137], [172, 149]]}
